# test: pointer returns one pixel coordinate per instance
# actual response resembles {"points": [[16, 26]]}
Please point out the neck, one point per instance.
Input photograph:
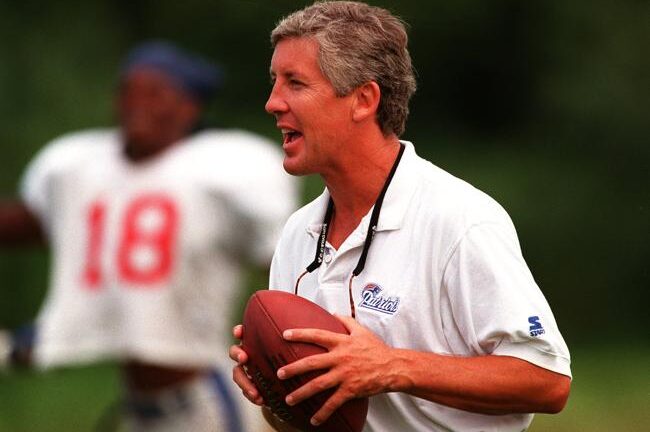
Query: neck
{"points": [[142, 152], [355, 186]]}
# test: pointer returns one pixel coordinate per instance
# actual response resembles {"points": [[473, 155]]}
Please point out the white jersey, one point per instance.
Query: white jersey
{"points": [[444, 274], [147, 257]]}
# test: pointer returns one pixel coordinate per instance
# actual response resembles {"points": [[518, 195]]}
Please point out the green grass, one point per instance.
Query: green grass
{"points": [[69, 400], [610, 393]]}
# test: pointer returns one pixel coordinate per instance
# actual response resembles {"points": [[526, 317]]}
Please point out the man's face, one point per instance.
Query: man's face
{"points": [[153, 112], [315, 123]]}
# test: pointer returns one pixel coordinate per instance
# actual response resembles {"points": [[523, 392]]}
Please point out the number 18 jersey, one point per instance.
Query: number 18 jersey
{"points": [[147, 257]]}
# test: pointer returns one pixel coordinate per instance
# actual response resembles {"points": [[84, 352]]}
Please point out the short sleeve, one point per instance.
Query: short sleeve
{"points": [[54, 158], [247, 171], [496, 305], [266, 198], [37, 177]]}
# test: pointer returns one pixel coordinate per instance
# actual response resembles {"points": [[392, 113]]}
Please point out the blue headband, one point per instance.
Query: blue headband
{"points": [[195, 75]]}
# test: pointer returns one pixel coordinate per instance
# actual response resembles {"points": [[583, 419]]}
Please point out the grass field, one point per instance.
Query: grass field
{"points": [[610, 393]]}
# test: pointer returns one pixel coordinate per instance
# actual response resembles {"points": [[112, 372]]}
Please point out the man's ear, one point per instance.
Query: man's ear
{"points": [[366, 101]]}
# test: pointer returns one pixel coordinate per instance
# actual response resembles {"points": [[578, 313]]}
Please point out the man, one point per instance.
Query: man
{"points": [[150, 227], [448, 330]]}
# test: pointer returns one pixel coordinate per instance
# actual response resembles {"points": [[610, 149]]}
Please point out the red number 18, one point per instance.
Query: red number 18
{"points": [[146, 244]]}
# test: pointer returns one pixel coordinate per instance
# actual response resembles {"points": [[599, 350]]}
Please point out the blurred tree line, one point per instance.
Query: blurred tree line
{"points": [[542, 104]]}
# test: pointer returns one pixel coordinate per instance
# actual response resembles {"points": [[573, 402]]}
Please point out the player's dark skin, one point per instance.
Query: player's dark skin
{"points": [[154, 113], [18, 226]]}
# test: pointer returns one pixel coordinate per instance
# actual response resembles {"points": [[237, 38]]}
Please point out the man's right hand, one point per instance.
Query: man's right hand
{"points": [[247, 386], [239, 374]]}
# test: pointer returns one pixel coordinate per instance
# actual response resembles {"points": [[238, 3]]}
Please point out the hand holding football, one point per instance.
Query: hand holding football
{"points": [[268, 314]]}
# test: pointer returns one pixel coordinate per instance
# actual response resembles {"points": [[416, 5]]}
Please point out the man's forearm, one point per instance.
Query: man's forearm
{"points": [[18, 226], [485, 384]]}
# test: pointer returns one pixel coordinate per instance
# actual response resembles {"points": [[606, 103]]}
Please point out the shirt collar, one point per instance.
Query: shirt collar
{"points": [[398, 196], [400, 191], [316, 222]]}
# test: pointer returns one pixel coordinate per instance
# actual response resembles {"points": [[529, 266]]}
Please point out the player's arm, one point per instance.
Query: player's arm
{"points": [[360, 364], [18, 225]]}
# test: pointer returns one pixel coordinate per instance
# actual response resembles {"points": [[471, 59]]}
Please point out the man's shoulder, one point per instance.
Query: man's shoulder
{"points": [[235, 162], [229, 154], [455, 199], [89, 138], [231, 143], [76, 148]]}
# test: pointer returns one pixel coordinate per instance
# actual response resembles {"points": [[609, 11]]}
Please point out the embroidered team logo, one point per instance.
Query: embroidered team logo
{"points": [[536, 328], [372, 299]]}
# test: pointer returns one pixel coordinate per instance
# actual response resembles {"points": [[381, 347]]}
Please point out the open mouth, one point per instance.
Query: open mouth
{"points": [[290, 135]]}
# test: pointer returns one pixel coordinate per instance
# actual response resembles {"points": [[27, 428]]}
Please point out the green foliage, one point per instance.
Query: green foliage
{"points": [[541, 104]]}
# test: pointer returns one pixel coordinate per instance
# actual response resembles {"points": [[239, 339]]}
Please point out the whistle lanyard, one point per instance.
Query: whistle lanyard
{"points": [[372, 229]]}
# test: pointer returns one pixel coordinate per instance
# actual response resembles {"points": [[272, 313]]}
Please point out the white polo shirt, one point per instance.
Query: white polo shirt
{"points": [[444, 274]]}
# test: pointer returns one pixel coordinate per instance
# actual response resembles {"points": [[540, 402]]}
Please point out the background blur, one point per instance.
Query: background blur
{"points": [[543, 105]]}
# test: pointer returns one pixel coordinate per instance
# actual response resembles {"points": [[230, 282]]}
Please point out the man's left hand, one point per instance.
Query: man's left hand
{"points": [[357, 365]]}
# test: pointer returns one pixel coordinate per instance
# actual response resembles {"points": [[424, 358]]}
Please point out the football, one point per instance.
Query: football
{"points": [[267, 315]]}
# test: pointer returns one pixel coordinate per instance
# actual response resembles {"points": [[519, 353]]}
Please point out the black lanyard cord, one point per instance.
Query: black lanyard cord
{"points": [[372, 227], [374, 218], [320, 247]]}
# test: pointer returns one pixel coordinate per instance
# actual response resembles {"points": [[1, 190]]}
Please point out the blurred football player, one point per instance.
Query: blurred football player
{"points": [[150, 226]]}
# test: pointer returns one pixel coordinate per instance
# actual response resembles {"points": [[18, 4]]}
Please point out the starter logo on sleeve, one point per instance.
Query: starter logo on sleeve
{"points": [[535, 328]]}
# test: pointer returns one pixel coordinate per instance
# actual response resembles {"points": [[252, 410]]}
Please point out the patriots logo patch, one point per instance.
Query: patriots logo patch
{"points": [[374, 300]]}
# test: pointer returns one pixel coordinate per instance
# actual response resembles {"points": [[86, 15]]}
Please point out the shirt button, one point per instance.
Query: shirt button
{"points": [[328, 256]]}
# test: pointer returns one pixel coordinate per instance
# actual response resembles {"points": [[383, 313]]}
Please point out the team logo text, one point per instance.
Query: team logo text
{"points": [[372, 299]]}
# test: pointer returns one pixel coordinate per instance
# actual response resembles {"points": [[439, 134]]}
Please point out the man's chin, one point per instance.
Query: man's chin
{"points": [[295, 168]]}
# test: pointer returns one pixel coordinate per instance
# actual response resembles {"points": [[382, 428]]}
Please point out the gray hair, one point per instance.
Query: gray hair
{"points": [[359, 43]]}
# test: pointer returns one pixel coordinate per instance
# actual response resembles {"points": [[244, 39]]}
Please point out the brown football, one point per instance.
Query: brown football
{"points": [[267, 315]]}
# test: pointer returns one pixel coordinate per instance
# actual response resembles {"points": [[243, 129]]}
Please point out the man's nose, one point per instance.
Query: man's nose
{"points": [[275, 103]]}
